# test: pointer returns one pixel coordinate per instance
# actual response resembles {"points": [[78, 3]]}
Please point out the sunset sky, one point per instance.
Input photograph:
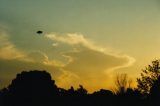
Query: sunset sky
{"points": [[84, 42]]}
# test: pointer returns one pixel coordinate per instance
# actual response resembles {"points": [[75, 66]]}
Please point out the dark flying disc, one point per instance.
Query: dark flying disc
{"points": [[39, 32]]}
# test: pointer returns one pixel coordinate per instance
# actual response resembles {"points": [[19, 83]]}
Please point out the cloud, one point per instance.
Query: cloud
{"points": [[67, 78], [55, 44], [83, 46], [40, 57], [68, 38], [92, 64], [74, 39], [7, 49]]}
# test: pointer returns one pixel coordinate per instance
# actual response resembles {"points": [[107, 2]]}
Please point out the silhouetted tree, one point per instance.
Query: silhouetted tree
{"points": [[71, 91], [67, 93], [133, 96], [103, 92], [122, 82], [148, 77], [32, 87], [103, 97], [0, 98], [3, 96], [81, 91], [154, 94], [36, 88]]}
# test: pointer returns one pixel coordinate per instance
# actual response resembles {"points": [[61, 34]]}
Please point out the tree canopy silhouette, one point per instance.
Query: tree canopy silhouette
{"points": [[148, 77], [36, 82], [33, 85], [36, 88]]}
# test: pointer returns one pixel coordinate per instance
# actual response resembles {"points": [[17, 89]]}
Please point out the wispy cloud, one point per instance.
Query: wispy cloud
{"points": [[41, 57], [8, 49], [75, 39]]}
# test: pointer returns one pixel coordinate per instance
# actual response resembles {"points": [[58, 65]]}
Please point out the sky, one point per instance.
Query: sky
{"points": [[85, 42]]}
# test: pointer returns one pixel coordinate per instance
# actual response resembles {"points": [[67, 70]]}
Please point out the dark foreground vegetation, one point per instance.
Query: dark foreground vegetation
{"points": [[36, 88]]}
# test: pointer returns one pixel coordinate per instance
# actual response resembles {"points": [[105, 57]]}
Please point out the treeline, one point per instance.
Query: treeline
{"points": [[36, 88]]}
